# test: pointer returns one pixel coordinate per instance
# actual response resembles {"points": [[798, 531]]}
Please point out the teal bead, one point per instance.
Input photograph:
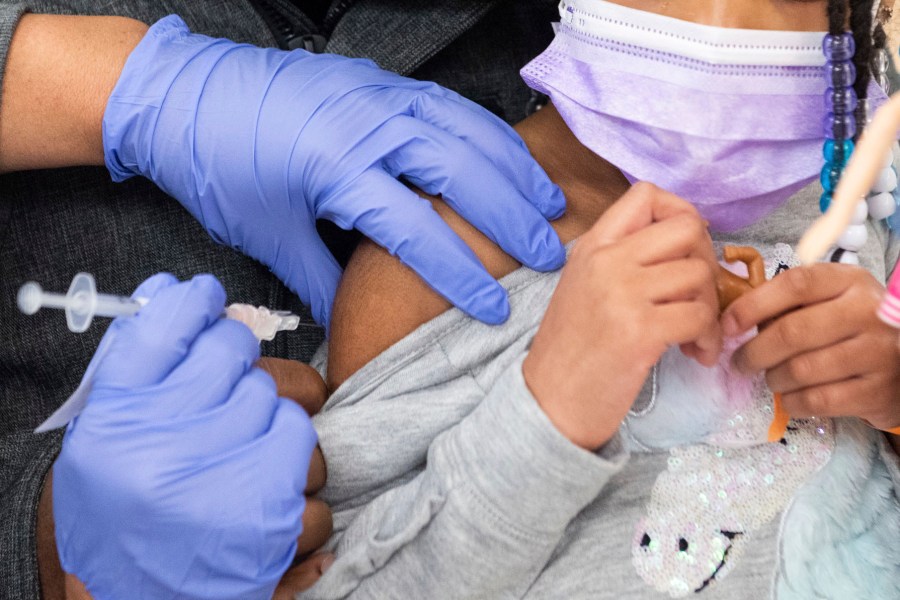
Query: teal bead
{"points": [[824, 201], [830, 175], [828, 150]]}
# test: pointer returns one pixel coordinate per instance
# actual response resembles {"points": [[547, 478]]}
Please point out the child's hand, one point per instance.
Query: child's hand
{"points": [[826, 351], [641, 280]]}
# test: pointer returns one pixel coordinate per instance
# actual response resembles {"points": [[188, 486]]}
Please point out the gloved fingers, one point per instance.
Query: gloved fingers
{"points": [[154, 284], [396, 218], [151, 343], [317, 527], [296, 381], [495, 140], [489, 202], [233, 426], [216, 361], [310, 271], [315, 480]]}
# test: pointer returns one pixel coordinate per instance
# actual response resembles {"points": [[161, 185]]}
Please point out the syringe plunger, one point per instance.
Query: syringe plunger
{"points": [[82, 302]]}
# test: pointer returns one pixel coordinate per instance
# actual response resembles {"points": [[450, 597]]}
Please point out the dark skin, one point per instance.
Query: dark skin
{"points": [[851, 367], [295, 381]]}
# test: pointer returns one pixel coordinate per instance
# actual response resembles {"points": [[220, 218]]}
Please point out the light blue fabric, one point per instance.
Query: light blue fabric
{"points": [[184, 475], [259, 143]]}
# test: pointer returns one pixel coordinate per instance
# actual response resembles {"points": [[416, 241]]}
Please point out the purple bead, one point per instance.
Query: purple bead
{"points": [[840, 100], [840, 74], [839, 127], [840, 47]]}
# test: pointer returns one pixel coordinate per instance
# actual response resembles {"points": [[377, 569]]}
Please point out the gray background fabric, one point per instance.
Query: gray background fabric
{"points": [[54, 223]]}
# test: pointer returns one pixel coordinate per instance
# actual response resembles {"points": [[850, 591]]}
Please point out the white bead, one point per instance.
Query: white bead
{"points": [[888, 160], [854, 238], [849, 258], [886, 182], [860, 213], [882, 205]]}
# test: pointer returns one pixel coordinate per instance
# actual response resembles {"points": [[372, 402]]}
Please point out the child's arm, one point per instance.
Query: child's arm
{"points": [[641, 280], [500, 487]]}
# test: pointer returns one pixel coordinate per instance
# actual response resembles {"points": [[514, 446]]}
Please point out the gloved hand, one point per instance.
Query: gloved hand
{"points": [[259, 143], [184, 475]]}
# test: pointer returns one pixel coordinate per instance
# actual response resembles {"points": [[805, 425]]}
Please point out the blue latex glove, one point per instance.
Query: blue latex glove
{"points": [[259, 143], [184, 475]]}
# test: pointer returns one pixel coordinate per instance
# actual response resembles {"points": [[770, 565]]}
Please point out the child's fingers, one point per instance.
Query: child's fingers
{"points": [[794, 288], [795, 333], [838, 362], [678, 237], [677, 281], [679, 323], [642, 205], [841, 399]]}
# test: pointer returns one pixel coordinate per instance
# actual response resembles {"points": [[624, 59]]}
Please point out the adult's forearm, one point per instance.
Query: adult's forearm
{"points": [[60, 72]]}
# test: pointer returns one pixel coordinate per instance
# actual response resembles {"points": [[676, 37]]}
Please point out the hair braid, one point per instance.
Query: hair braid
{"points": [[861, 26], [837, 16]]}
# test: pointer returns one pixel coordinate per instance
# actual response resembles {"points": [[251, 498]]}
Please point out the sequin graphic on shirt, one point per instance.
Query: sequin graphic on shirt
{"points": [[719, 489], [706, 505]]}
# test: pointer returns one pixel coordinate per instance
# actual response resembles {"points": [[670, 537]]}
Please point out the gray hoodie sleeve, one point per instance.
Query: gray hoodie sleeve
{"points": [[503, 483]]}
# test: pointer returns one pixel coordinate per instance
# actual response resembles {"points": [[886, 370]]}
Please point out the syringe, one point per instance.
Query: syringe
{"points": [[82, 303]]}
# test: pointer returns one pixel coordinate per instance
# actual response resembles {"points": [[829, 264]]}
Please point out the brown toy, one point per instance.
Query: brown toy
{"points": [[729, 288]]}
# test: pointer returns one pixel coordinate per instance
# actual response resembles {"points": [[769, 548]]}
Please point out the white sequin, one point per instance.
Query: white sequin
{"points": [[735, 492]]}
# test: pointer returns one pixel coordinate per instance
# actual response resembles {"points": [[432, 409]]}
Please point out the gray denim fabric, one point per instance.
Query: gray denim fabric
{"points": [[447, 480], [55, 223]]}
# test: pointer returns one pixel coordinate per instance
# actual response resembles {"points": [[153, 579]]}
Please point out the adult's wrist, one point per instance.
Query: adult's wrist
{"points": [[59, 74]]}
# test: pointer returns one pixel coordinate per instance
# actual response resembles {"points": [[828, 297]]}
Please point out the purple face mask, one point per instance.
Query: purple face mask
{"points": [[729, 119]]}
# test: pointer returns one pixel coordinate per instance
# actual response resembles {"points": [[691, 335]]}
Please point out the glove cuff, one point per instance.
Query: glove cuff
{"points": [[136, 99]]}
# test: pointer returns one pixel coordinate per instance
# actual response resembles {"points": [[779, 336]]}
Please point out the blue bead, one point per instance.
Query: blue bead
{"points": [[844, 149], [824, 201], [841, 100], [839, 127], [829, 177], [839, 47], [840, 73]]}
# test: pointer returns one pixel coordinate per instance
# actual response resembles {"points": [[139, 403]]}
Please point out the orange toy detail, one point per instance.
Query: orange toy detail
{"points": [[730, 287]]}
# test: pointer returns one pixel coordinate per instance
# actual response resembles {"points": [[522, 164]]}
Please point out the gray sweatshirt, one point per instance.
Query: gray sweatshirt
{"points": [[448, 481]]}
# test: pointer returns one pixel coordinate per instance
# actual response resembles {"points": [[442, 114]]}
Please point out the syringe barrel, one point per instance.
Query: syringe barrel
{"points": [[115, 306]]}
